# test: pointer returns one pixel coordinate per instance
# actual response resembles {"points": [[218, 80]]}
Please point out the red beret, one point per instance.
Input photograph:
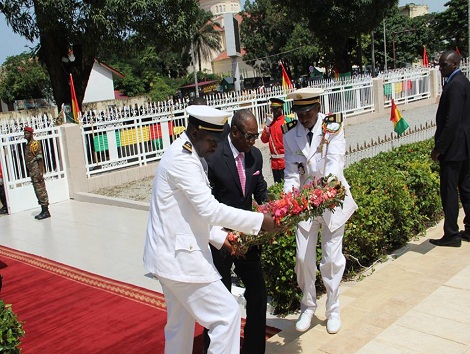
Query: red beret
{"points": [[29, 129]]}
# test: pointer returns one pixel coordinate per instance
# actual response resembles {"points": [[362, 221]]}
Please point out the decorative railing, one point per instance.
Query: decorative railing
{"points": [[389, 142], [121, 137], [406, 85]]}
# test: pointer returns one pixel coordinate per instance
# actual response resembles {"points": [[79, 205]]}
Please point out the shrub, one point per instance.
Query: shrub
{"points": [[398, 197], [11, 330]]}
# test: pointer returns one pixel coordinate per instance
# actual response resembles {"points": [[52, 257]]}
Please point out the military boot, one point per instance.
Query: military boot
{"points": [[44, 213]]}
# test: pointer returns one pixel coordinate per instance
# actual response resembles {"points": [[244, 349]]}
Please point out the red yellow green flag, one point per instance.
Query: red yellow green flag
{"points": [[399, 124], [286, 83], [75, 109], [425, 57]]}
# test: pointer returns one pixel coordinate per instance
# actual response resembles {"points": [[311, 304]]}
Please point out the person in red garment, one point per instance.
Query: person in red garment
{"points": [[272, 134]]}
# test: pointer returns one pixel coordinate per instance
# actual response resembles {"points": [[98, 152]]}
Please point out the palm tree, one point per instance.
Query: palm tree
{"points": [[205, 37]]}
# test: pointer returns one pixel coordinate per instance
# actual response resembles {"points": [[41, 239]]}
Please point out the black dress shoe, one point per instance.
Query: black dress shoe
{"points": [[453, 241], [465, 235]]}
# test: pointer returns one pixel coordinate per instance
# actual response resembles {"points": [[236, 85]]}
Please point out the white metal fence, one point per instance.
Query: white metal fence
{"points": [[134, 136], [406, 85], [18, 187], [128, 136], [350, 96]]}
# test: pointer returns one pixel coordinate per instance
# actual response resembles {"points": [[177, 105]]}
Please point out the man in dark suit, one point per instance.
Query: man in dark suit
{"points": [[236, 154], [452, 149]]}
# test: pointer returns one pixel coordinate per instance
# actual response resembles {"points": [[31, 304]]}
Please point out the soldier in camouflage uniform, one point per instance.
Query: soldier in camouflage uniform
{"points": [[33, 158]]}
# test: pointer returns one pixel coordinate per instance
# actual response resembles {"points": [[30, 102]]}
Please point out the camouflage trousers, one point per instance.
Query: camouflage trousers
{"points": [[39, 185]]}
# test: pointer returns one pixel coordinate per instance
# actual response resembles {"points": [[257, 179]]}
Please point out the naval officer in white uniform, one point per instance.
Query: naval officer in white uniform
{"points": [[314, 149], [182, 209]]}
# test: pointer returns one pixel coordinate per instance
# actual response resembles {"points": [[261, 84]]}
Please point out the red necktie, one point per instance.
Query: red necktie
{"points": [[241, 173]]}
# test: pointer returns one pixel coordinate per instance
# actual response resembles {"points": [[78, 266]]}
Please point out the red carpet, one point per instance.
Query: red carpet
{"points": [[67, 310]]}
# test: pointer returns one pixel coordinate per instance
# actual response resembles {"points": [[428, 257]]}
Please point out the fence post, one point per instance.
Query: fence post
{"points": [[434, 82], [378, 92], [74, 158]]}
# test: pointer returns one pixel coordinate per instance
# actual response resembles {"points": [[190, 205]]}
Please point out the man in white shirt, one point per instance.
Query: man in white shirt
{"points": [[177, 250]]}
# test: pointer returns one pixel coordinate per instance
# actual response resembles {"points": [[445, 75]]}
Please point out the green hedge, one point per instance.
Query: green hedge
{"points": [[398, 197]]}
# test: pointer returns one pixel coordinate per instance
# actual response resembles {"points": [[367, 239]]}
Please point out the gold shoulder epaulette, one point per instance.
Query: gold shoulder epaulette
{"points": [[333, 118], [288, 126], [34, 147], [187, 146]]}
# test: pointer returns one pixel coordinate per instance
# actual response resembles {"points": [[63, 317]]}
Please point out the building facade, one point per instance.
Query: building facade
{"points": [[413, 10], [220, 63]]}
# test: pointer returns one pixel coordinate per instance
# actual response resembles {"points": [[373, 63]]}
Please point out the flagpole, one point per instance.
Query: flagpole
{"points": [[385, 48]]}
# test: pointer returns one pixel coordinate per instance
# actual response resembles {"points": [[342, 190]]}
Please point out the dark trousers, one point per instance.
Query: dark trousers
{"points": [[249, 270], [3, 197], [455, 181], [278, 175]]}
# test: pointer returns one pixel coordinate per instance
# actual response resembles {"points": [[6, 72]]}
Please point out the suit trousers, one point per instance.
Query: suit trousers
{"points": [[455, 180], [332, 265], [211, 305], [249, 270], [278, 175]]}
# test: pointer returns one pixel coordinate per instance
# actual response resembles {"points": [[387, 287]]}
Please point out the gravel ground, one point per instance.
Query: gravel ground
{"points": [[356, 133]]}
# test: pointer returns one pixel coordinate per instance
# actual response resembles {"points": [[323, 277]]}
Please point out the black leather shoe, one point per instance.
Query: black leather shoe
{"points": [[465, 236], [44, 215], [4, 211], [454, 241]]}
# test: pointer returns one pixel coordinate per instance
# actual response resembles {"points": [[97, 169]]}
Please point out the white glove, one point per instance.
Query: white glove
{"points": [[269, 119]]}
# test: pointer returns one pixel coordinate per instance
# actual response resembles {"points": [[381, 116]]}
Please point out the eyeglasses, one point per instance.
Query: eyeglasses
{"points": [[249, 137]]}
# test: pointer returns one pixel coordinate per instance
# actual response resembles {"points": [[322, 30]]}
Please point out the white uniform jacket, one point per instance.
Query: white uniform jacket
{"points": [[317, 161], [182, 209]]}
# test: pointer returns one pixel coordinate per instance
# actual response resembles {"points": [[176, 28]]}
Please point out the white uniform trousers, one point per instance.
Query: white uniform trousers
{"points": [[210, 304], [332, 265]]}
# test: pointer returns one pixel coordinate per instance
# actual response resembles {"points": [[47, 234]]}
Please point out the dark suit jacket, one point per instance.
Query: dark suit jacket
{"points": [[225, 183], [452, 138]]}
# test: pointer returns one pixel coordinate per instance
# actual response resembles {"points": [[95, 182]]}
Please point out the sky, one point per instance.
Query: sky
{"points": [[13, 44]]}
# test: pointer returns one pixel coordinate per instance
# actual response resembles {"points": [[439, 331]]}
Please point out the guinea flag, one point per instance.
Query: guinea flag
{"points": [[75, 108], [286, 83], [399, 124]]}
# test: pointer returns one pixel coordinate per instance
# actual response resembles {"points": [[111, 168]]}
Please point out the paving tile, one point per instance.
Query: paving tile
{"points": [[389, 313], [377, 346], [351, 339], [440, 327], [419, 342], [447, 302], [460, 280]]}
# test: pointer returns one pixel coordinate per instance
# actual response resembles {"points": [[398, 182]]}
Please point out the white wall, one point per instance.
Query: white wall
{"points": [[100, 85]]}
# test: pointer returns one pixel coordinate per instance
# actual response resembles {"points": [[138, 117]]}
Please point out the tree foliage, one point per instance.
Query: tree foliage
{"points": [[404, 44], [23, 77], [338, 23], [93, 28], [269, 35], [453, 25]]}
